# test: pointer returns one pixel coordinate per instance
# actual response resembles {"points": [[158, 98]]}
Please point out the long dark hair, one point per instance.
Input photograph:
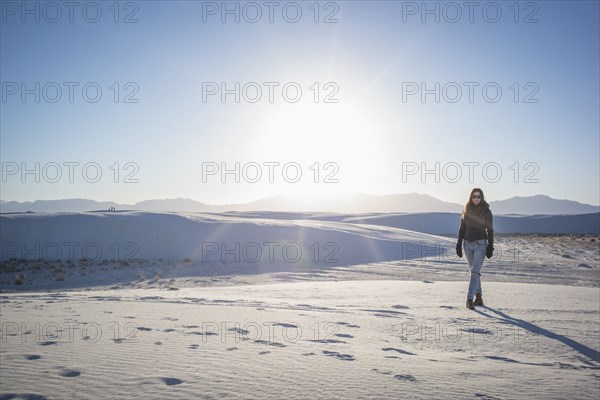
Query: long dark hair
{"points": [[469, 205]]}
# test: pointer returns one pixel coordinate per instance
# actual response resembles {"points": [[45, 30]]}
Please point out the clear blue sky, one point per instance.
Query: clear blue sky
{"points": [[372, 55]]}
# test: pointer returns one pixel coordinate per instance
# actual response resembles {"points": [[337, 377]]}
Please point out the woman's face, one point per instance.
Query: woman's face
{"points": [[476, 198]]}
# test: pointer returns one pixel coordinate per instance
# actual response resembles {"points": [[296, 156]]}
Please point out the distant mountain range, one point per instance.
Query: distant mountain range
{"points": [[356, 203]]}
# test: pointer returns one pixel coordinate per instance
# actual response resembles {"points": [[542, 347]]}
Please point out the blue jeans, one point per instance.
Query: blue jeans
{"points": [[475, 253]]}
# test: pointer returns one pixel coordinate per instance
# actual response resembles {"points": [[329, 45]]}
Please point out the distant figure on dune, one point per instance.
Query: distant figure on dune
{"points": [[477, 231]]}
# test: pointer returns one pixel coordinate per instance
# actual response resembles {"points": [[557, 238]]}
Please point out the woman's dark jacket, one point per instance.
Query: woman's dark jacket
{"points": [[474, 223]]}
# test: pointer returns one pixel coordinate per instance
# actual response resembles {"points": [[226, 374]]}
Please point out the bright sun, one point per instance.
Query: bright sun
{"points": [[322, 133], [346, 135]]}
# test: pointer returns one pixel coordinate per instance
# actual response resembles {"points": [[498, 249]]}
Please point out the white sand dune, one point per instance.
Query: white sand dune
{"points": [[436, 223], [254, 244], [70, 250], [385, 320], [325, 340]]}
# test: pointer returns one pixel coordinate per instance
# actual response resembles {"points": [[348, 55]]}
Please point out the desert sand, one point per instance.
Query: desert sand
{"points": [[170, 324]]}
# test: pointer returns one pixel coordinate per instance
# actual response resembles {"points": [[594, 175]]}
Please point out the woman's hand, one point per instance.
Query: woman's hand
{"points": [[459, 249], [489, 250]]}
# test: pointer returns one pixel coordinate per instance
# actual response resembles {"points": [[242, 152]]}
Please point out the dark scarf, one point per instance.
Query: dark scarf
{"points": [[477, 213]]}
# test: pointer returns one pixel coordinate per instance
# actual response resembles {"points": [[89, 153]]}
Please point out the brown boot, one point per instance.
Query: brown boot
{"points": [[478, 300], [470, 304]]}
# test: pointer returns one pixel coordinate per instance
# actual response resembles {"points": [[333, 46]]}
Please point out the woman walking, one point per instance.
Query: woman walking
{"points": [[477, 232]]}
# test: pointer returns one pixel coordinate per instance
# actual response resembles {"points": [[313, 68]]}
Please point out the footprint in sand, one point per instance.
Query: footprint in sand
{"points": [[203, 333], [326, 341], [405, 377], [32, 357], [69, 373], [261, 341], [506, 359], [264, 352], [286, 325], [171, 381], [239, 330], [345, 335], [340, 356], [401, 377], [28, 396], [349, 325], [385, 313], [485, 396], [478, 330], [377, 370], [398, 350]]}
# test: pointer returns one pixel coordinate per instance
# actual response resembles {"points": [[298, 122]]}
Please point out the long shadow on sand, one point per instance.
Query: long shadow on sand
{"points": [[536, 329]]}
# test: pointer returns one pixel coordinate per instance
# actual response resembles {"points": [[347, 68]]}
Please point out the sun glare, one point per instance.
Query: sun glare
{"points": [[308, 133]]}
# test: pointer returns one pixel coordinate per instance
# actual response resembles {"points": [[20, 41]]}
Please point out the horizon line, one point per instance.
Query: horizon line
{"points": [[286, 196]]}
